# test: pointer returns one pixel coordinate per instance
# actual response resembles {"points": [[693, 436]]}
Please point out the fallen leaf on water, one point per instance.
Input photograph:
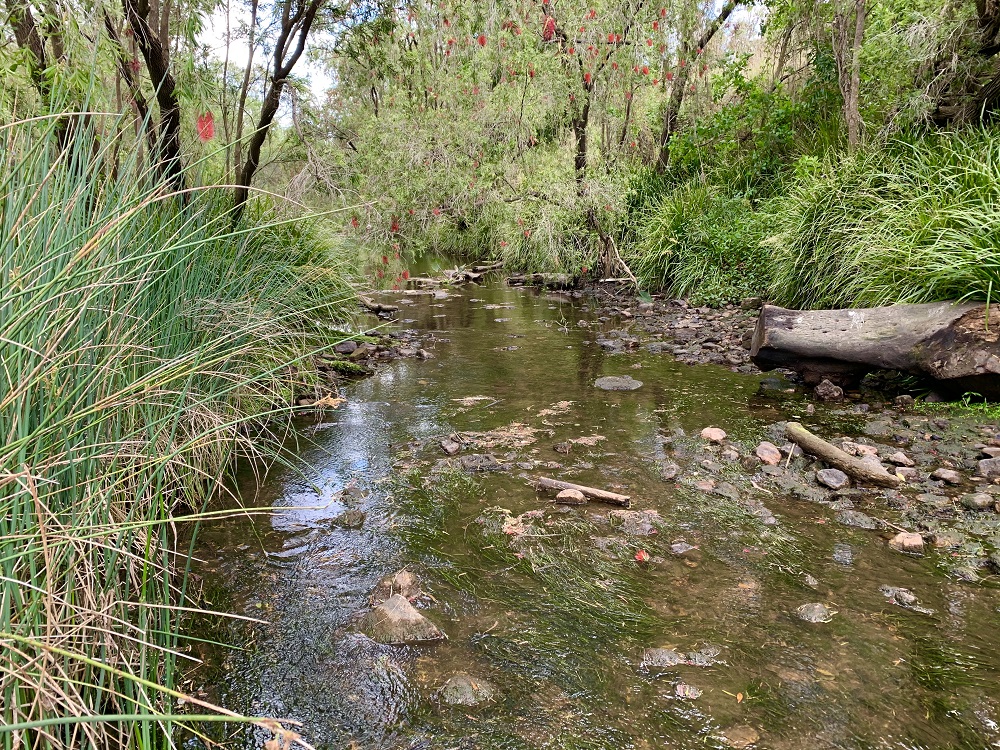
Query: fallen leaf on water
{"points": [[739, 697]]}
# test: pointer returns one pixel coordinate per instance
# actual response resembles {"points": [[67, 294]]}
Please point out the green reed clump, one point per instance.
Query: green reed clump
{"points": [[914, 221], [144, 346], [698, 242]]}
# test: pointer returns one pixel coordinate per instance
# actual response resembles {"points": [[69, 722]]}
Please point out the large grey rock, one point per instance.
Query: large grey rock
{"points": [[835, 479], [659, 659], [462, 689], [397, 622], [618, 383], [990, 467]]}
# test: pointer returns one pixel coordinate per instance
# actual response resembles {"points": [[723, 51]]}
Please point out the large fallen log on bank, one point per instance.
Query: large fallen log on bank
{"points": [[544, 483], [863, 471], [949, 342]]}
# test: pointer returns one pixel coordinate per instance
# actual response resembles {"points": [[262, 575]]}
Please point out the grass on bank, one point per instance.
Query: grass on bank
{"points": [[144, 346]]}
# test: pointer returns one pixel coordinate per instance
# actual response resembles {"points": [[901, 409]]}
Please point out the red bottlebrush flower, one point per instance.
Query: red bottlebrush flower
{"points": [[692, 88], [586, 77], [385, 260], [656, 25], [682, 63], [656, 81], [618, 38], [380, 273], [663, 12], [549, 29], [635, 68], [583, 29], [649, 42], [642, 556], [633, 144], [645, 70], [592, 15], [436, 211], [135, 65], [531, 73], [410, 211], [206, 126], [447, 23], [395, 287], [482, 40], [670, 76], [571, 50], [503, 243], [406, 274], [447, 53], [394, 227], [614, 66], [527, 232], [611, 38], [354, 222], [704, 67], [628, 95], [584, 270]]}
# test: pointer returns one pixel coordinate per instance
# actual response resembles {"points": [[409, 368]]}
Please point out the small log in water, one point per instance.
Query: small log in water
{"points": [[544, 483], [831, 454], [376, 307]]}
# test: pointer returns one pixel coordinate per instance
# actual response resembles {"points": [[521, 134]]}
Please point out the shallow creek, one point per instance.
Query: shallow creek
{"points": [[557, 615]]}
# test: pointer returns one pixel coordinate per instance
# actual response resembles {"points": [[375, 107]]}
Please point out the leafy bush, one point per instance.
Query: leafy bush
{"points": [[915, 221], [697, 243]]}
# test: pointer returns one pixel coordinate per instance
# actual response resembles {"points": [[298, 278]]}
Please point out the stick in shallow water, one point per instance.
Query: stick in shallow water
{"points": [[544, 483]]}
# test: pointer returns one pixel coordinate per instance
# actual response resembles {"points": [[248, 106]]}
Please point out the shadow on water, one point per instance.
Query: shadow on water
{"points": [[557, 615]]}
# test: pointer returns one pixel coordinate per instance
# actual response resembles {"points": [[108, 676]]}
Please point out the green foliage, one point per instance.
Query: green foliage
{"points": [[915, 221], [144, 348], [699, 243]]}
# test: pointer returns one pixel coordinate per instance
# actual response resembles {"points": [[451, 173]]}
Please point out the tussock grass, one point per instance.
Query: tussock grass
{"points": [[915, 221], [144, 346]]}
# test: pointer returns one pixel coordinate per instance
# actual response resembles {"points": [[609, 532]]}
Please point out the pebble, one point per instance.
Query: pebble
{"points": [[835, 479], [901, 459], [857, 519], [768, 453], [618, 383], [571, 497], [814, 612], [713, 434], [947, 475], [827, 391], [906, 541]]}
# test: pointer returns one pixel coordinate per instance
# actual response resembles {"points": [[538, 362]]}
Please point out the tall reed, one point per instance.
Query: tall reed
{"points": [[144, 346]]}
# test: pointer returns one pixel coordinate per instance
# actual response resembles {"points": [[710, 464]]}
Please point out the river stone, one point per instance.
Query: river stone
{"points": [[346, 347], [990, 467], [669, 470], [978, 501], [450, 447], [768, 453], [857, 519], [403, 582], [878, 429], [571, 497], [683, 690], [462, 689], [739, 737], [396, 622], [350, 519], [713, 434], [948, 538], [827, 391], [636, 522], [814, 612], [947, 475], [906, 541], [480, 462], [618, 383], [901, 459], [660, 658], [843, 554], [835, 479]]}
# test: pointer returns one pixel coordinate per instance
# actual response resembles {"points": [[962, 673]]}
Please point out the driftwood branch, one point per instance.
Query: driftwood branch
{"points": [[376, 307], [862, 471], [556, 485]]}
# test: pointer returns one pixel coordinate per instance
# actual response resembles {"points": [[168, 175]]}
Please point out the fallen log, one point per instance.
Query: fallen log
{"points": [[376, 307], [949, 342], [550, 280], [854, 467], [488, 267], [544, 483]]}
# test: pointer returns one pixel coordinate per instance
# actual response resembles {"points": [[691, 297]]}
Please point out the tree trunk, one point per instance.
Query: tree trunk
{"points": [[952, 343], [169, 135], [672, 110], [847, 56], [27, 37]]}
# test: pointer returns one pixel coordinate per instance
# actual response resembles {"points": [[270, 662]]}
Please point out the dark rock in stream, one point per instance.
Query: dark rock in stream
{"points": [[480, 462], [397, 623], [835, 479], [462, 689], [843, 554], [656, 660], [350, 519], [618, 383], [856, 519]]}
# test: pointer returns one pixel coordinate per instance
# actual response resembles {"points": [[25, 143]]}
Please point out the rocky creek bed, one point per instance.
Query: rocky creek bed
{"points": [[418, 590]]}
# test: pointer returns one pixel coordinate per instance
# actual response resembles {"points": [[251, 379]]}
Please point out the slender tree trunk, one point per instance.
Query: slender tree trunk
{"points": [[671, 112], [244, 91], [847, 56], [27, 37], [169, 135]]}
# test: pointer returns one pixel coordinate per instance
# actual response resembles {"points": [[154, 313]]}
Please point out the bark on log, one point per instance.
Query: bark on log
{"points": [[946, 341], [544, 483], [376, 307], [831, 454]]}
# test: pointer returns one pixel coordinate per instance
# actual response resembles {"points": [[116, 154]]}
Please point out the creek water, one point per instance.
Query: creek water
{"points": [[553, 609]]}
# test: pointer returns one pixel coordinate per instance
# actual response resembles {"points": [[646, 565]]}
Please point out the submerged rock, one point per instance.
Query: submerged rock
{"points": [[843, 554], [907, 542], [978, 501], [713, 434], [350, 519], [857, 519], [739, 737], [658, 659], [618, 383], [404, 582], [462, 689], [397, 623], [814, 612]]}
